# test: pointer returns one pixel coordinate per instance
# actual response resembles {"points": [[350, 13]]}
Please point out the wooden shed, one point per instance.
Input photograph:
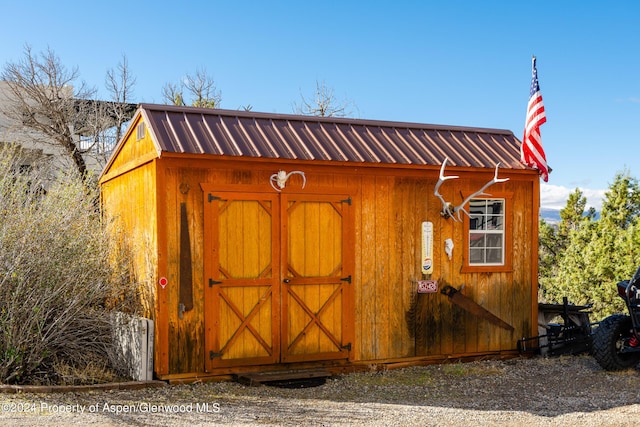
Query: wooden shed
{"points": [[282, 241]]}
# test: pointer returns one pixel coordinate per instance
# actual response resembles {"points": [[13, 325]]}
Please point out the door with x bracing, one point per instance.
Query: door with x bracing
{"points": [[278, 278]]}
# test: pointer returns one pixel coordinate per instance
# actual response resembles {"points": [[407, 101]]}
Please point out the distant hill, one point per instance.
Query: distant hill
{"points": [[551, 216]]}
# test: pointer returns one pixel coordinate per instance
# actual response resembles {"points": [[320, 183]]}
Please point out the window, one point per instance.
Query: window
{"points": [[487, 232], [140, 131]]}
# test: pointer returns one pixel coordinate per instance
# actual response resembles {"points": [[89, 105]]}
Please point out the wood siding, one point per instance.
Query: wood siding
{"points": [[129, 207], [389, 320]]}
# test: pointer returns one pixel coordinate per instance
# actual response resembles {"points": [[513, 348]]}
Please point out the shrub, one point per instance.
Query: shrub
{"points": [[56, 274]]}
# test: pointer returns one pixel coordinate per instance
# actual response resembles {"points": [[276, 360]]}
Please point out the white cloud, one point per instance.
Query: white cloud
{"points": [[555, 196]]}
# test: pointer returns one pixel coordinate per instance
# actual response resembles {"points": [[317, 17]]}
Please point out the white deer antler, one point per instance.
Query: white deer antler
{"points": [[495, 180], [446, 206], [450, 211], [281, 178]]}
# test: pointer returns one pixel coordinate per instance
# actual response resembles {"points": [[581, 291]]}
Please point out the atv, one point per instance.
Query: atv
{"points": [[616, 341]]}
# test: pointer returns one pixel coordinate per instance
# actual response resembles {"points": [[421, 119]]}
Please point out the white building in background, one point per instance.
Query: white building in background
{"points": [[96, 149]]}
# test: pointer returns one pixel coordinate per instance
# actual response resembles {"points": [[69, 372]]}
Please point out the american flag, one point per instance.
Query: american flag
{"points": [[531, 152]]}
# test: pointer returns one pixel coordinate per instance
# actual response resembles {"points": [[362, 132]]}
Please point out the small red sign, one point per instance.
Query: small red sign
{"points": [[427, 286], [163, 282]]}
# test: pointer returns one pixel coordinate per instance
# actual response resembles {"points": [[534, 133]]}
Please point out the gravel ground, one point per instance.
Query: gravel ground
{"points": [[562, 391]]}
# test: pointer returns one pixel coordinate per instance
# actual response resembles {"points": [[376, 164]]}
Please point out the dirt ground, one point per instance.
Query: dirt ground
{"points": [[570, 390]]}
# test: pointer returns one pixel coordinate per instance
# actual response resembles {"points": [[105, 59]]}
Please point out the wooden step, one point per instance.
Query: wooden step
{"points": [[255, 379]]}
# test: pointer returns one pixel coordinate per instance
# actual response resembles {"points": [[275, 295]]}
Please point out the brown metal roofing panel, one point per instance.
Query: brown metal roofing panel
{"points": [[207, 143], [378, 145], [493, 146], [237, 133], [423, 145], [245, 129], [339, 144], [392, 150], [185, 134], [213, 144], [163, 133], [468, 151], [359, 153], [311, 146], [406, 152], [280, 144], [413, 153], [300, 148], [495, 150], [441, 147], [354, 132], [222, 137], [329, 147], [234, 132], [509, 155], [346, 146], [254, 131]]}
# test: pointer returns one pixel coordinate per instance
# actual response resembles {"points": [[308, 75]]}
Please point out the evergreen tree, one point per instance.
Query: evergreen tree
{"points": [[554, 240], [598, 254]]}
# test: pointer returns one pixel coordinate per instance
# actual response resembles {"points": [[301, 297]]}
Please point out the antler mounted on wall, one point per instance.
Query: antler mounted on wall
{"points": [[448, 209], [281, 177]]}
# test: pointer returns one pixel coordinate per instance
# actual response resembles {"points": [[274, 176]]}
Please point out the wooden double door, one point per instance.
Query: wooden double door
{"points": [[278, 278]]}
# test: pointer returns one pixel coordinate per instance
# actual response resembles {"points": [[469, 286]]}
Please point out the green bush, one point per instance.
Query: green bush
{"points": [[56, 275]]}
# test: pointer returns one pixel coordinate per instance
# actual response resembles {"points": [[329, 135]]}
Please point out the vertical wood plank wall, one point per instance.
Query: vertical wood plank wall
{"points": [[392, 321], [129, 202]]}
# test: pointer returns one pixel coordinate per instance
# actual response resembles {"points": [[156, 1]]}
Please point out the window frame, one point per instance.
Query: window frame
{"points": [[507, 264]]}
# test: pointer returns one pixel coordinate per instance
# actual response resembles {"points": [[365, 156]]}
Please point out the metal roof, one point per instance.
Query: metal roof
{"points": [[282, 136]]}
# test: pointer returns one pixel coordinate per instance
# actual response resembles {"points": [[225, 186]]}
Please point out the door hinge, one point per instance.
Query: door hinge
{"points": [[346, 279], [346, 347], [211, 198], [213, 282], [213, 354], [347, 201]]}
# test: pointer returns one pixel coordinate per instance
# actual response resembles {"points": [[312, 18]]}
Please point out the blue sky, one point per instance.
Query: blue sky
{"points": [[464, 63]]}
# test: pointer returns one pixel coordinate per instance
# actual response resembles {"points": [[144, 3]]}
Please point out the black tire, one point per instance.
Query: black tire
{"points": [[608, 340]]}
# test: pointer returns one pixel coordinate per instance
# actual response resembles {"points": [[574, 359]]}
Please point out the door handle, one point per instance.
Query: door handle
{"points": [[287, 281]]}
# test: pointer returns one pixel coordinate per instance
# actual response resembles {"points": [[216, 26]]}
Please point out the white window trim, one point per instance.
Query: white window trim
{"points": [[501, 232]]}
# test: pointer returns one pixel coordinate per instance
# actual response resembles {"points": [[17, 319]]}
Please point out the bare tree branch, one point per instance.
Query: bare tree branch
{"points": [[200, 87], [203, 90], [324, 104], [42, 97], [173, 94]]}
